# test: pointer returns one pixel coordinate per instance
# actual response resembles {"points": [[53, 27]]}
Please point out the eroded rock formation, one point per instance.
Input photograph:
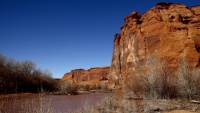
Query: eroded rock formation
{"points": [[81, 75], [169, 31]]}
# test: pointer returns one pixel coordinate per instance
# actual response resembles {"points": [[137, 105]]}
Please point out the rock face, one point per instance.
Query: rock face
{"points": [[169, 31], [81, 75]]}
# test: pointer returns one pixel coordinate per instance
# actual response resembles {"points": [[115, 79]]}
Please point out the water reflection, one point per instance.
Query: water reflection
{"points": [[55, 103]]}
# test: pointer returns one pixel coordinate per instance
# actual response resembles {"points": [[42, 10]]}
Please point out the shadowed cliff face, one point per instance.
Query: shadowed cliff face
{"points": [[169, 31]]}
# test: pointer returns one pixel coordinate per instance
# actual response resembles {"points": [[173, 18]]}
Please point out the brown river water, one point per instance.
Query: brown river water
{"points": [[56, 103]]}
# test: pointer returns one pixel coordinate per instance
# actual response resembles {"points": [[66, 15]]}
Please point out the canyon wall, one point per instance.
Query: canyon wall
{"points": [[169, 31], [81, 75]]}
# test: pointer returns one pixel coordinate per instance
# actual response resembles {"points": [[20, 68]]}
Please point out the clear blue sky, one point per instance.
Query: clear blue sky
{"points": [[61, 35]]}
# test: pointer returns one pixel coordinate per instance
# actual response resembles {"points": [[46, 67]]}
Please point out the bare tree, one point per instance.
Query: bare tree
{"points": [[187, 80], [151, 80], [156, 81], [1, 81], [2, 63], [2, 60], [28, 67]]}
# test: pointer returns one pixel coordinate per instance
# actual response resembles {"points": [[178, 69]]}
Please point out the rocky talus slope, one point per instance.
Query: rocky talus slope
{"points": [[169, 31]]}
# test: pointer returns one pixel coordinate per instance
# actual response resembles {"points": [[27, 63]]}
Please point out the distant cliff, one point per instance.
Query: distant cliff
{"points": [[169, 31], [81, 75]]}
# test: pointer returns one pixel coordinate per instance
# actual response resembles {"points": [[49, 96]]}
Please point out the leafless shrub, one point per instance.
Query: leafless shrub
{"points": [[188, 81], [169, 88], [104, 87], [95, 87], [109, 104], [68, 88], [72, 89], [86, 87], [132, 86], [89, 87], [159, 82], [118, 104], [62, 87], [151, 81], [129, 106], [155, 82]]}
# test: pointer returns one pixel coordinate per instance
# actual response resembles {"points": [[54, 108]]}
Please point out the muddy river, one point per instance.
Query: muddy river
{"points": [[56, 103]]}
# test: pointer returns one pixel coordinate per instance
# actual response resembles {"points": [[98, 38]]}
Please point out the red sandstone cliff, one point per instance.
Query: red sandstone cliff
{"points": [[80, 75], [169, 31]]}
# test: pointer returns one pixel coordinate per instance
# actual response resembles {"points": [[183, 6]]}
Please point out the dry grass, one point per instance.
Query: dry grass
{"points": [[6, 106], [39, 104], [180, 111], [31, 106]]}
